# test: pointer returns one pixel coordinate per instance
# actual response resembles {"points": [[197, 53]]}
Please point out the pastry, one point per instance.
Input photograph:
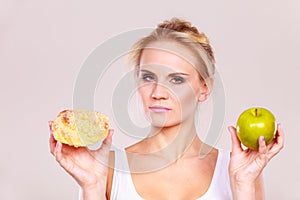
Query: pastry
{"points": [[80, 127]]}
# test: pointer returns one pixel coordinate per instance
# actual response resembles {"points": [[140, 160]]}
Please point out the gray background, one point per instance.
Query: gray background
{"points": [[44, 43]]}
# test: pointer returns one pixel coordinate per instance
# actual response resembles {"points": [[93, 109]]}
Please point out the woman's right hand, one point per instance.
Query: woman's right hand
{"points": [[88, 167]]}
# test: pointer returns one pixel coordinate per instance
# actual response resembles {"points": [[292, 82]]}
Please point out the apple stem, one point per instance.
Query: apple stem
{"points": [[256, 112]]}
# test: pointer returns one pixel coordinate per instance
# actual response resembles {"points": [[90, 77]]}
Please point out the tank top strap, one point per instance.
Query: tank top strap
{"points": [[220, 185], [121, 162], [122, 185]]}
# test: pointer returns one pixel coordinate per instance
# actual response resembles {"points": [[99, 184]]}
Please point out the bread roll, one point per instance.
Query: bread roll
{"points": [[80, 127]]}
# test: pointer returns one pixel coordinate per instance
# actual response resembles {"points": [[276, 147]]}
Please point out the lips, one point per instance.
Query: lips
{"points": [[159, 109]]}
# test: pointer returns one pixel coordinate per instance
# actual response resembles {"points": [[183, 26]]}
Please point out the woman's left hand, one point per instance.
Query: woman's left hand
{"points": [[246, 165]]}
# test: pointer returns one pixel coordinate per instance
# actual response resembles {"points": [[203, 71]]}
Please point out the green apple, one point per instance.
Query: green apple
{"points": [[253, 123]]}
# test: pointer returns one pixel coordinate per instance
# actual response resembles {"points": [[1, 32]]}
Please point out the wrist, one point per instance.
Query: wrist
{"points": [[92, 192], [243, 190]]}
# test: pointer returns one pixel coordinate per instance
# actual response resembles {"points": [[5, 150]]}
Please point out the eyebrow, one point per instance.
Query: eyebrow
{"points": [[170, 75], [178, 74]]}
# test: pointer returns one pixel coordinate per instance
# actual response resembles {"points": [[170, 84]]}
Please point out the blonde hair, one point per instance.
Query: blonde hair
{"points": [[185, 34]]}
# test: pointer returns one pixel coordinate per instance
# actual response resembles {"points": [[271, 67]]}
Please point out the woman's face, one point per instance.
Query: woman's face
{"points": [[170, 88]]}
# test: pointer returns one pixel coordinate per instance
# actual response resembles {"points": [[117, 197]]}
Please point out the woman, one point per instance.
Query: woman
{"points": [[174, 71]]}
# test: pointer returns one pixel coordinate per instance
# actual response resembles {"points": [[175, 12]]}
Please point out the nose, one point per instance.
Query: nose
{"points": [[160, 92]]}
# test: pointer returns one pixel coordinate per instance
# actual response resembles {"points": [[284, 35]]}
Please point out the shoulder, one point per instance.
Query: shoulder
{"points": [[207, 150], [218, 156], [223, 156], [138, 147]]}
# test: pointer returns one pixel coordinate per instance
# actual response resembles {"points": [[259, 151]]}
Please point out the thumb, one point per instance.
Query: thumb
{"points": [[106, 144], [102, 153], [236, 144]]}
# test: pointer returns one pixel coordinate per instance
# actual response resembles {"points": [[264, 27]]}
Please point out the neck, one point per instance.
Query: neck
{"points": [[173, 139], [165, 146]]}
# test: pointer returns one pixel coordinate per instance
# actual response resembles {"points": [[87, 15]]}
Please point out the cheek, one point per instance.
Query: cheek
{"points": [[186, 99], [143, 93], [185, 94]]}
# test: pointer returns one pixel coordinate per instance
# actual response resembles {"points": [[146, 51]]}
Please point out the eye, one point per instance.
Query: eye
{"points": [[148, 77], [177, 80]]}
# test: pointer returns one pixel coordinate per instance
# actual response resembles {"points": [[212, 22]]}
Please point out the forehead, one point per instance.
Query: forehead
{"points": [[154, 58]]}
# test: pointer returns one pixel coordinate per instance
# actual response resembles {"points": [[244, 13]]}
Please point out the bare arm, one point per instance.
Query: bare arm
{"points": [[251, 191], [259, 188]]}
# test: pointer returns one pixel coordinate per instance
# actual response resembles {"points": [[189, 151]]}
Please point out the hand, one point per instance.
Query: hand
{"points": [[246, 166], [88, 167]]}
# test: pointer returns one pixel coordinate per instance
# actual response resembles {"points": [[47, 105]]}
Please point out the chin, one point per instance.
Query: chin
{"points": [[163, 120], [164, 123]]}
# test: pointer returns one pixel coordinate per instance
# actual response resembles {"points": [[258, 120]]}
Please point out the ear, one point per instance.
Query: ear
{"points": [[205, 89]]}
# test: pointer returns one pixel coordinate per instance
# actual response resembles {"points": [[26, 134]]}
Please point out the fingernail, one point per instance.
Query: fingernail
{"points": [[279, 126], [58, 145], [50, 124], [111, 132], [262, 138]]}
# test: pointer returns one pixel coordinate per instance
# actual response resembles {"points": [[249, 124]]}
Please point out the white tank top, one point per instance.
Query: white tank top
{"points": [[124, 189]]}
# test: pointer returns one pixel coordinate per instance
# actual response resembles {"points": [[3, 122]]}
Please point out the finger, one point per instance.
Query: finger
{"points": [[103, 152], [59, 155], [236, 143], [108, 138], [106, 144], [280, 136], [262, 147], [278, 142], [50, 126], [262, 158], [58, 151], [52, 141]]}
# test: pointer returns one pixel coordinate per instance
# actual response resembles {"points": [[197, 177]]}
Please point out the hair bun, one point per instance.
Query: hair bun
{"points": [[179, 25], [183, 26]]}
